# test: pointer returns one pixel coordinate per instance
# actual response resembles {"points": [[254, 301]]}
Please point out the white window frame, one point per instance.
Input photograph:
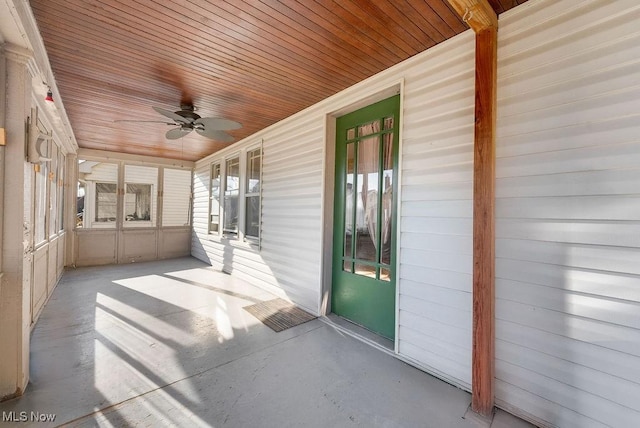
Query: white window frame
{"points": [[215, 230], [248, 194], [243, 194]]}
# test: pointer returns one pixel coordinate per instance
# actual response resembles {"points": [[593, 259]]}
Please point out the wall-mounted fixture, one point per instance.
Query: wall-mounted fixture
{"points": [[49, 96]]}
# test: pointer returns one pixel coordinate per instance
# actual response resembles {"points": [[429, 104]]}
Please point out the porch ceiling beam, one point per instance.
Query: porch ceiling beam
{"points": [[479, 15]]}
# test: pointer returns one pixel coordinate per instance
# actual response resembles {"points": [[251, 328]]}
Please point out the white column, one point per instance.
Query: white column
{"points": [[15, 251]]}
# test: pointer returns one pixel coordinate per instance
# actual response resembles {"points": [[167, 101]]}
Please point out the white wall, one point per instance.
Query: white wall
{"points": [[568, 213], [176, 200], [436, 176], [568, 208], [289, 261], [436, 211]]}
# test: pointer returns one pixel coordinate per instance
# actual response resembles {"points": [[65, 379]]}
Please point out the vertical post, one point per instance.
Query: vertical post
{"points": [[15, 286], [481, 17], [483, 366]]}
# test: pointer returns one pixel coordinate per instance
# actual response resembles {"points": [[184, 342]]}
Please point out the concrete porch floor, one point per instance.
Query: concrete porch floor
{"points": [[168, 344]]}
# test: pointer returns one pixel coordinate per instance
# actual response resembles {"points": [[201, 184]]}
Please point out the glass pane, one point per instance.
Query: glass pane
{"points": [[349, 203], [231, 192], [347, 266], [385, 274], [369, 128], [41, 202], [253, 171], [351, 134], [214, 209], [61, 180], [367, 199], [365, 270], [53, 191], [140, 198], [80, 209], [137, 202], [388, 123], [252, 227], [176, 197], [387, 199], [96, 204], [105, 202]]}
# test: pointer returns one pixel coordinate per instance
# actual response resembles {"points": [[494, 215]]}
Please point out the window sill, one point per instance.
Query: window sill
{"points": [[235, 242]]}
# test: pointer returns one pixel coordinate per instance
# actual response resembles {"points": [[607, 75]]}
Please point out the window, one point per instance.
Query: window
{"points": [[53, 191], [41, 203], [231, 193], [252, 194], [97, 194], [105, 209], [137, 202], [214, 199], [140, 196], [176, 202], [234, 195], [60, 182]]}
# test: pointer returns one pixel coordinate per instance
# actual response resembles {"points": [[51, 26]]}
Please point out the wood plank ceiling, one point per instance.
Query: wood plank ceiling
{"points": [[255, 61]]}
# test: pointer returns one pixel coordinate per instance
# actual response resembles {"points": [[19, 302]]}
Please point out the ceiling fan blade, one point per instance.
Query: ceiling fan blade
{"points": [[214, 134], [144, 121], [171, 115], [175, 133], [217, 123]]}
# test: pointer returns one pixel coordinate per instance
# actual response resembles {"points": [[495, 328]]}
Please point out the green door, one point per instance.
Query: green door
{"points": [[364, 277]]}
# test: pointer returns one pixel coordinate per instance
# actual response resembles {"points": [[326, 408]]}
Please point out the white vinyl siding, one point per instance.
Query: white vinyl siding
{"points": [[568, 213], [568, 210], [436, 173], [176, 197], [436, 225], [289, 260]]}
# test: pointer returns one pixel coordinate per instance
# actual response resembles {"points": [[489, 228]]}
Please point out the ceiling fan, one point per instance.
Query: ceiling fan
{"points": [[187, 120]]}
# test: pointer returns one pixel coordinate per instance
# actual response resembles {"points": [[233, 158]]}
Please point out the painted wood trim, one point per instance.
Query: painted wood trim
{"points": [[483, 354], [477, 14]]}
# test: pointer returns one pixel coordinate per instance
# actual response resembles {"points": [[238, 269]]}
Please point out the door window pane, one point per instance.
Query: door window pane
{"points": [[367, 185], [349, 206], [176, 197], [387, 199], [368, 204], [231, 193]]}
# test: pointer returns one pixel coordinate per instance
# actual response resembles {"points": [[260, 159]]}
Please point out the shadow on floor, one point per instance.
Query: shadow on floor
{"points": [[169, 344]]}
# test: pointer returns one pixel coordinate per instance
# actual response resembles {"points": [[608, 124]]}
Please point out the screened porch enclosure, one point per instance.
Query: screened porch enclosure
{"points": [[134, 211]]}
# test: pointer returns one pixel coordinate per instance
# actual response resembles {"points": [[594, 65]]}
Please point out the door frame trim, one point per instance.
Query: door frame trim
{"points": [[388, 89]]}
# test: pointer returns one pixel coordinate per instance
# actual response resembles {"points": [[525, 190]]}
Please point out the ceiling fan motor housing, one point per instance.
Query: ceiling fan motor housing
{"points": [[187, 111]]}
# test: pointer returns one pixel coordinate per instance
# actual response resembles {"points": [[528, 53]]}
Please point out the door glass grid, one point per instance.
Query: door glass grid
{"points": [[368, 199]]}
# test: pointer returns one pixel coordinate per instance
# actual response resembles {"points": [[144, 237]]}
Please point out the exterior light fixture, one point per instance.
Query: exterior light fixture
{"points": [[49, 96]]}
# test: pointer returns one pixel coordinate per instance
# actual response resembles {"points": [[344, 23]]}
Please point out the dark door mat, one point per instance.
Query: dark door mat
{"points": [[278, 314]]}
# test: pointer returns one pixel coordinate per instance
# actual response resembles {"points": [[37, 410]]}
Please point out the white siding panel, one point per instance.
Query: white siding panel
{"points": [[436, 224], [289, 259], [176, 197], [568, 213]]}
